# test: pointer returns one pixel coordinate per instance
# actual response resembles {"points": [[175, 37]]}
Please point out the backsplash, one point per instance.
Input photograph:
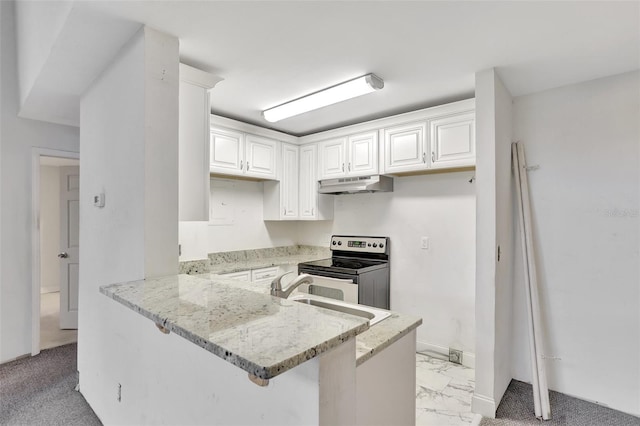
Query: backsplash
{"points": [[246, 257]]}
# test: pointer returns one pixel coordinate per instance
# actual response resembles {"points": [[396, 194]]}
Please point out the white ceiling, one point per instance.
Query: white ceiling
{"points": [[426, 52]]}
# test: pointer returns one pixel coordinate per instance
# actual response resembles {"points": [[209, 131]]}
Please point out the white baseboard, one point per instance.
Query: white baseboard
{"points": [[483, 405], [468, 358]]}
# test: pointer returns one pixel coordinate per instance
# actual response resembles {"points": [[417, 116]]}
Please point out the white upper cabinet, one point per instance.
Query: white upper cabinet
{"points": [[363, 154], [289, 181], [280, 197], [308, 181], [441, 137], [313, 206], [405, 147], [453, 141], [227, 152], [261, 157], [355, 155], [193, 143], [332, 158], [240, 154]]}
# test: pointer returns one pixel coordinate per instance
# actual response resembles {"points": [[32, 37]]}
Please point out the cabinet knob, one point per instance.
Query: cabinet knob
{"points": [[343, 167], [424, 157], [247, 166], [433, 156], [240, 164], [349, 166]]}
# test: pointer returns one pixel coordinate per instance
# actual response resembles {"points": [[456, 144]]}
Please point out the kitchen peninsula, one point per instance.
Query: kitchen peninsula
{"points": [[315, 359]]}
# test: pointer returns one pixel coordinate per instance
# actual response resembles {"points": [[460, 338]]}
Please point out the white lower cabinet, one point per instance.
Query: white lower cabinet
{"points": [[264, 275], [259, 276], [239, 276]]}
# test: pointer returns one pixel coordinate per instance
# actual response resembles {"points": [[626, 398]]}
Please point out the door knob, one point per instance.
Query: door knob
{"points": [[63, 255]]}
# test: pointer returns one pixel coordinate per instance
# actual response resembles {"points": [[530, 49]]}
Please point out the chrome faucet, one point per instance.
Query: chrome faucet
{"points": [[276, 284]]}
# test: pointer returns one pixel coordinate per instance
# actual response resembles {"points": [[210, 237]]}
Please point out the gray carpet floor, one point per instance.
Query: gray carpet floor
{"points": [[39, 390], [516, 409]]}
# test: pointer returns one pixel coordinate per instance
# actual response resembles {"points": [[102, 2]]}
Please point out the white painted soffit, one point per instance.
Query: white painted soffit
{"points": [[86, 44]]}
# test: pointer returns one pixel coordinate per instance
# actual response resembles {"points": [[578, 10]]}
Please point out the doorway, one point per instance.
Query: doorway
{"points": [[55, 236]]}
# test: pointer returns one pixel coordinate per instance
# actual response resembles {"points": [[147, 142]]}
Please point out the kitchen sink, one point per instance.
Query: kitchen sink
{"points": [[374, 315]]}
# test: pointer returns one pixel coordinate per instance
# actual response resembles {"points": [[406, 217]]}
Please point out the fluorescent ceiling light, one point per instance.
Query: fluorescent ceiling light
{"points": [[332, 95]]}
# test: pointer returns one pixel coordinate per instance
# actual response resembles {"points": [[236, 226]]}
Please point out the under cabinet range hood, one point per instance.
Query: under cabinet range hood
{"points": [[355, 185]]}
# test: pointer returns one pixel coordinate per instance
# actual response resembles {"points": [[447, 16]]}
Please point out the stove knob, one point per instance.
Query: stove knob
{"points": [[375, 245], [334, 243], [339, 243], [381, 245], [369, 245]]}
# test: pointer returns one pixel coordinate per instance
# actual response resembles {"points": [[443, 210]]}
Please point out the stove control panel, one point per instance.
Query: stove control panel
{"points": [[360, 244]]}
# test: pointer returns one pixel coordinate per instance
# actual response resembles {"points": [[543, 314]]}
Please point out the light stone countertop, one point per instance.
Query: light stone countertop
{"points": [[261, 334], [244, 265], [368, 343], [243, 260]]}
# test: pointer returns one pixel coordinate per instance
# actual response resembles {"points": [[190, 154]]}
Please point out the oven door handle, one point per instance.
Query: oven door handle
{"points": [[339, 280]]}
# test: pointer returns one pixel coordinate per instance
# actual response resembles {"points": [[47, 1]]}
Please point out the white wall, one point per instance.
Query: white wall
{"points": [[49, 229], [18, 136], [129, 142], [494, 224], [436, 284], [39, 23], [585, 201], [238, 222]]}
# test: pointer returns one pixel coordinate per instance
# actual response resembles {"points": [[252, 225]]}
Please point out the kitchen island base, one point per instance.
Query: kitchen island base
{"points": [[151, 378]]}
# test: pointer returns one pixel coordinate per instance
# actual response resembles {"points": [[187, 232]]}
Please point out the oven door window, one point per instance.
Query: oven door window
{"points": [[335, 288]]}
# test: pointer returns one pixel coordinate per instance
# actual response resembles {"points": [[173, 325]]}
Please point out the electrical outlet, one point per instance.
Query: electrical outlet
{"points": [[455, 356], [424, 243], [119, 397]]}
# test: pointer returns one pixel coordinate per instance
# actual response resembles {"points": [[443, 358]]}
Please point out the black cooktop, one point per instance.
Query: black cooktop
{"points": [[346, 264]]}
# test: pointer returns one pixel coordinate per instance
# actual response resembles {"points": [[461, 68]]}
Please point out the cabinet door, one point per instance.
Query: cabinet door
{"points": [[453, 141], [405, 148], [261, 157], [363, 154], [227, 152], [289, 181], [238, 276], [264, 274], [332, 159], [193, 157], [308, 182]]}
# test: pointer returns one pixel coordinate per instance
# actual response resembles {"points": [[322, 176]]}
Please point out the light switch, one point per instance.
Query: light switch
{"points": [[424, 243], [98, 200]]}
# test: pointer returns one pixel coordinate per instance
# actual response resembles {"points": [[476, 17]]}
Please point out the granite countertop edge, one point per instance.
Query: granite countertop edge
{"points": [[260, 371], [384, 334]]}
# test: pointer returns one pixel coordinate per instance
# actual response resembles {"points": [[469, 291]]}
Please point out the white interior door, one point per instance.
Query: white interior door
{"points": [[69, 245]]}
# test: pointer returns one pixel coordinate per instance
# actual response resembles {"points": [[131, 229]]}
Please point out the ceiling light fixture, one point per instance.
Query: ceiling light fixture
{"points": [[332, 95]]}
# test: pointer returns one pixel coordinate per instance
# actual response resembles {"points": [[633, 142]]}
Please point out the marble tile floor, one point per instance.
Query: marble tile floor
{"points": [[443, 392], [50, 334]]}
